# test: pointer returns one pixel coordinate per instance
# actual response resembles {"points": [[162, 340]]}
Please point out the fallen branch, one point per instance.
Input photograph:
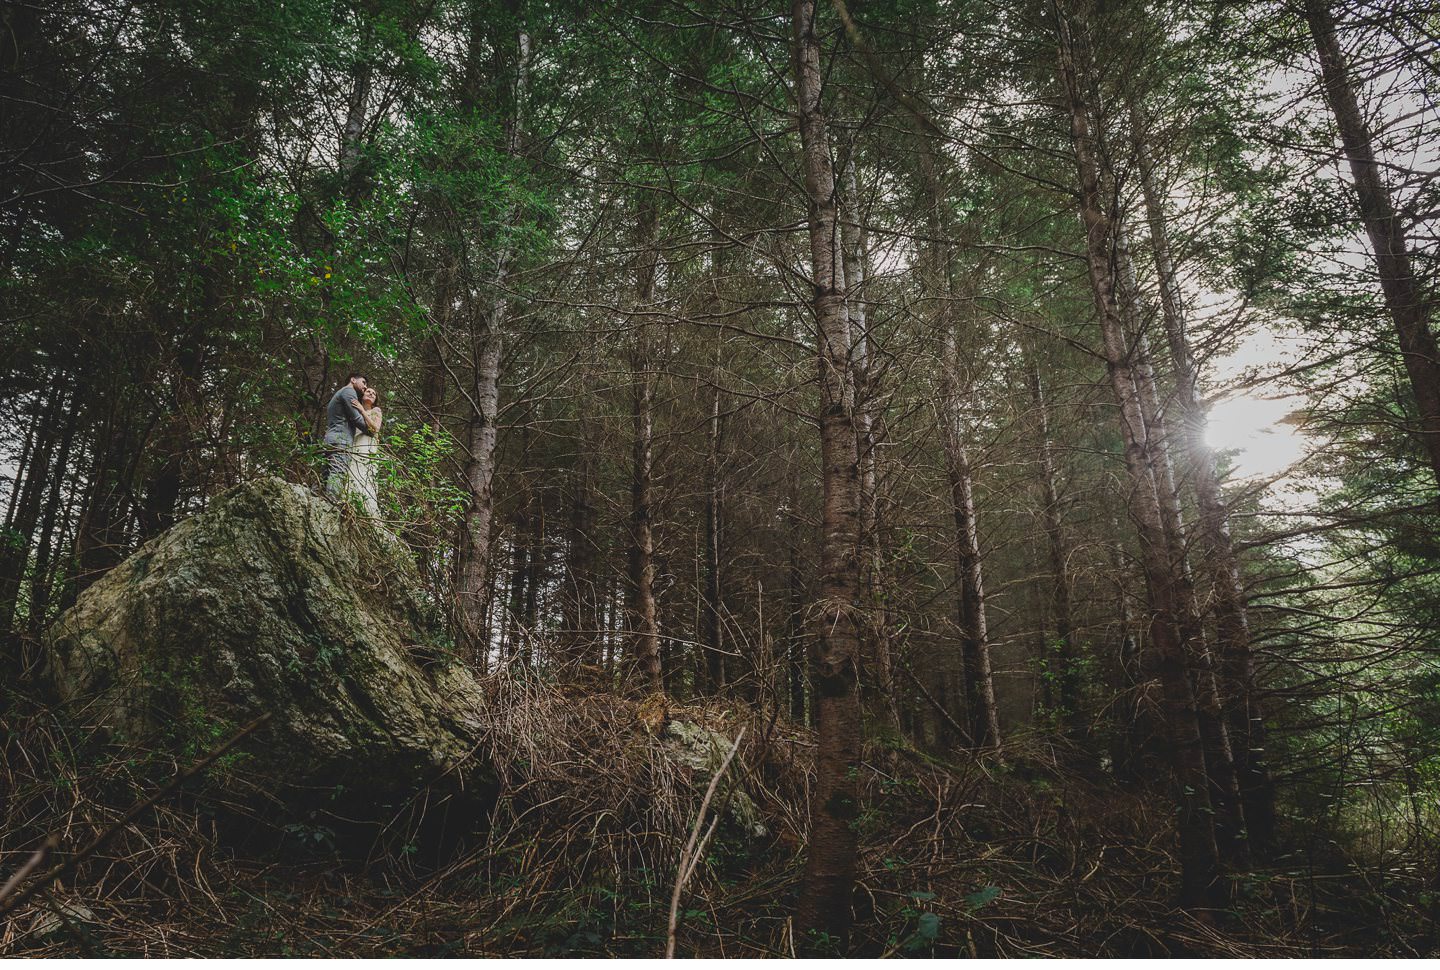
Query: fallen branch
{"points": [[939, 708], [692, 853], [9, 902], [35, 861]]}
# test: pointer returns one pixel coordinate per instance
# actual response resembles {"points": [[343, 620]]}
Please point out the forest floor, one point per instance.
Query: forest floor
{"points": [[981, 857]]}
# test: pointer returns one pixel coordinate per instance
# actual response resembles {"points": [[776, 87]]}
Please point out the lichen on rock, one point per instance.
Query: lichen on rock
{"points": [[273, 600], [703, 750]]}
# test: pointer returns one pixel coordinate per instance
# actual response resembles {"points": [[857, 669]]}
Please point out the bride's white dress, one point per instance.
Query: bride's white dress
{"points": [[364, 459]]}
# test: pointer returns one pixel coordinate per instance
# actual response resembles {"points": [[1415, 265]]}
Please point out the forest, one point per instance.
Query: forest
{"points": [[900, 478]]}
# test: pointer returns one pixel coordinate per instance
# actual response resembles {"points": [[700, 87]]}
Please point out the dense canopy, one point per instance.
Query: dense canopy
{"points": [[990, 386]]}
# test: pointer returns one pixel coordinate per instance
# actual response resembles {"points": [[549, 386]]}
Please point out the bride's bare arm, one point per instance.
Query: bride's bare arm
{"points": [[373, 417]]}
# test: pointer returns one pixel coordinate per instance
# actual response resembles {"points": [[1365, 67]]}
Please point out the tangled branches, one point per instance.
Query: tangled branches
{"points": [[579, 850]]}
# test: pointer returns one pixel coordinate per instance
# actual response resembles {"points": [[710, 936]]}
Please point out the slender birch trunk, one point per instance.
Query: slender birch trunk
{"points": [[983, 721], [713, 630], [977, 679], [581, 593]]}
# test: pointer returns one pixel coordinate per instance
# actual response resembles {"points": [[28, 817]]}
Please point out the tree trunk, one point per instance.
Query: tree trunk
{"points": [[643, 623], [42, 580], [100, 535], [1135, 727], [19, 537], [1066, 662], [516, 632], [479, 484], [982, 718], [512, 635], [1200, 863], [581, 594], [825, 899], [712, 606], [1244, 716], [1219, 755], [977, 680], [353, 128], [795, 622], [488, 329], [22, 468], [179, 439], [855, 249], [1403, 295], [432, 364], [535, 569]]}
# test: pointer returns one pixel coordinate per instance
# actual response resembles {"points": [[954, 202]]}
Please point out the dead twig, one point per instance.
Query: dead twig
{"points": [[10, 902], [35, 861], [690, 858]]}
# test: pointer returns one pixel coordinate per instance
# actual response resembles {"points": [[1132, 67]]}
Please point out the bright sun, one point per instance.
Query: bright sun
{"points": [[1253, 430]]}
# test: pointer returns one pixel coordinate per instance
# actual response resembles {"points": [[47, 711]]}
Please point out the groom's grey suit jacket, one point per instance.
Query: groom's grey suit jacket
{"points": [[342, 417]]}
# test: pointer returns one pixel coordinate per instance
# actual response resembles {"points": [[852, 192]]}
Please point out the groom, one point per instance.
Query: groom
{"points": [[343, 420]]}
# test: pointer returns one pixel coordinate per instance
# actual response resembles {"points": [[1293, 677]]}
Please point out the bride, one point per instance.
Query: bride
{"points": [[364, 455]]}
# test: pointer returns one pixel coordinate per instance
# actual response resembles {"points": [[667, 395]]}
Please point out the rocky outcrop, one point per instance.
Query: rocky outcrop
{"points": [[274, 601], [703, 750]]}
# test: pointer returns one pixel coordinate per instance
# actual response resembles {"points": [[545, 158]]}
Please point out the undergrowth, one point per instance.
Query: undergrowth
{"points": [[962, 857]]}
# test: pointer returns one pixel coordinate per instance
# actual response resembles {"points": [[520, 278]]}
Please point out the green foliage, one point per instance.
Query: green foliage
{"points": [[414, 484], [981, 898]]}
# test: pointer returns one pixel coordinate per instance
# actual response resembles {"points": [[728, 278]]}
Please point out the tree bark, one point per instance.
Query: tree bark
{"points": [[22, 468], [1404, 298], [977, 681], [479, 484], [581, 593], [41, 583], [1067, 674], [795, 633], [179, 439], [19, 536], [432, 364], [1199, 856], [1135, 727], [98, 538], [829, 880], [643, 623], [1244, 715], [351, 131], [518, 622], [488, 330], [855, 250], [712, 605], [1219, 754], [982, 717]]}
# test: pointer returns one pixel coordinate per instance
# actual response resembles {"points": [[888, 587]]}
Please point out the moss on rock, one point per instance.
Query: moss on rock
{"points": [[274, 600]]}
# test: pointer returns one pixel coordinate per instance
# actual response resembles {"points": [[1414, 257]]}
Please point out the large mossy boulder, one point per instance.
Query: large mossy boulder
{"points": [[275, 601]]}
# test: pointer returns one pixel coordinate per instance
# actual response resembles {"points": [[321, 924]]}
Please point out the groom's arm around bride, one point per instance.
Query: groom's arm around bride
{"points": [[343, 421]]}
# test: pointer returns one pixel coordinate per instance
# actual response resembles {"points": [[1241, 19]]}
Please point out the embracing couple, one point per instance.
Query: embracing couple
{"points": [[352, 431]]}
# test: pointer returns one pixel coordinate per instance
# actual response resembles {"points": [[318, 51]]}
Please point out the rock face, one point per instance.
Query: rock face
{"points": [[703, 750], [273, 600]]}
